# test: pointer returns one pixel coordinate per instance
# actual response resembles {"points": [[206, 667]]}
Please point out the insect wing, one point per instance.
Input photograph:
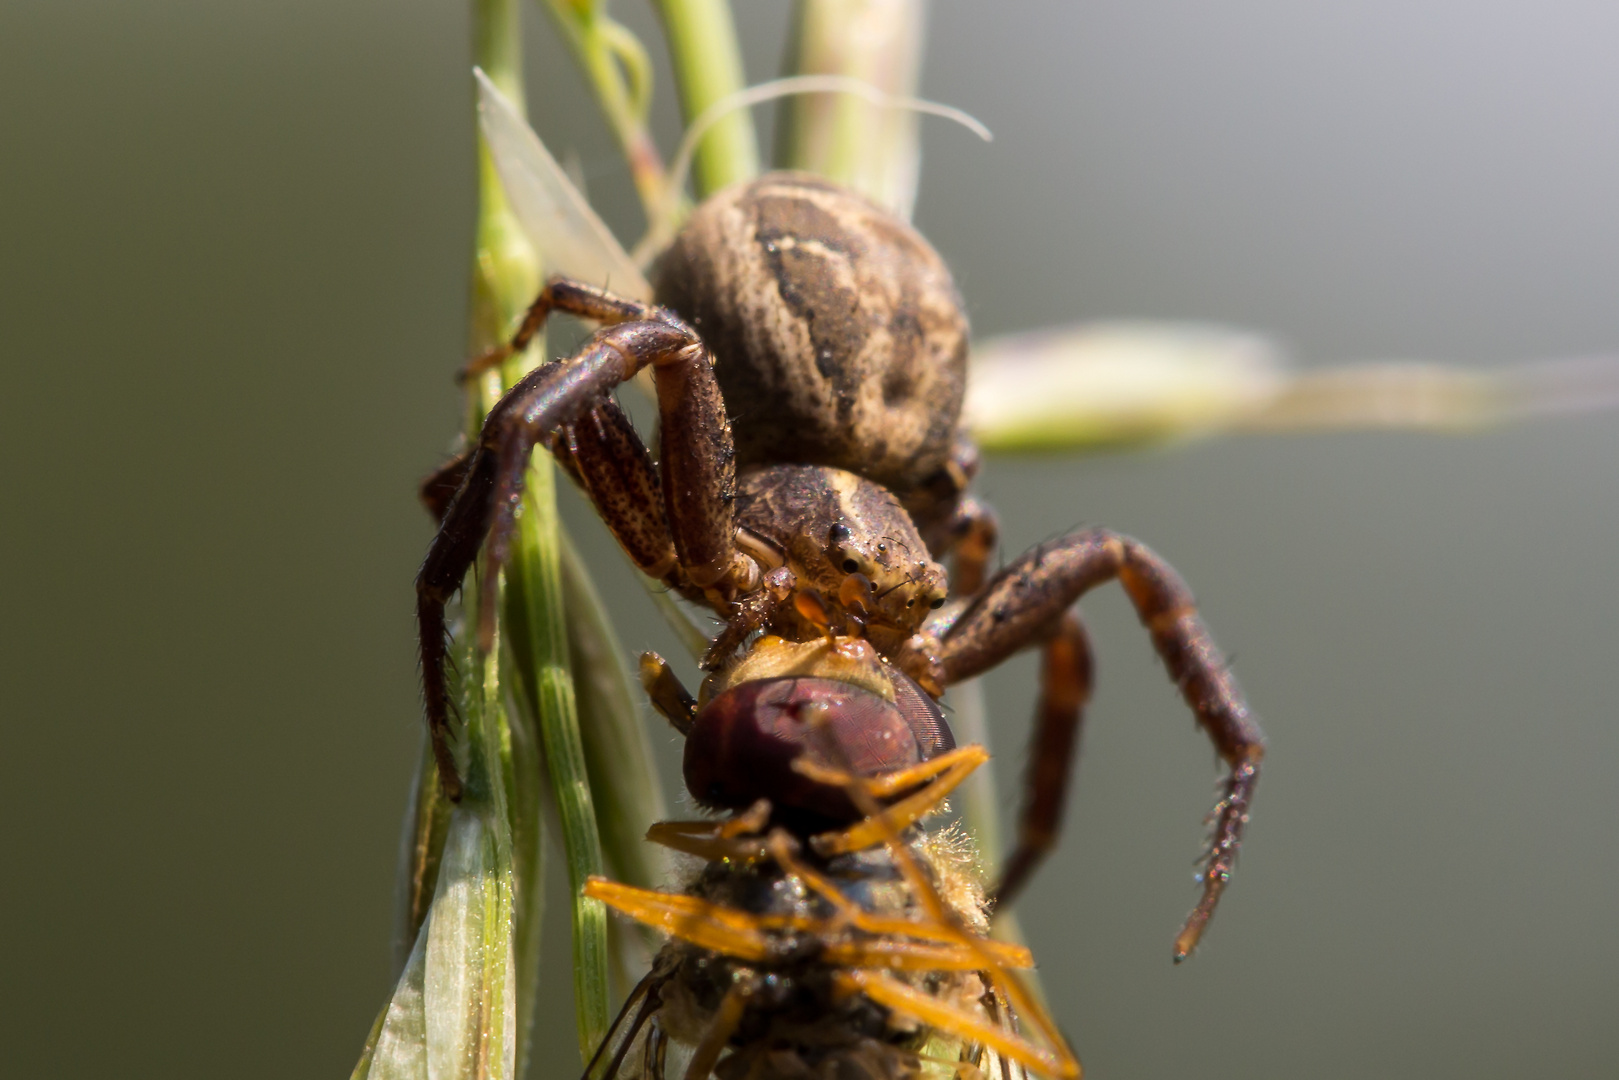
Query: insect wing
{"points": [[995, 1066], [635, 1047], [564, 230], [992, 1063]]}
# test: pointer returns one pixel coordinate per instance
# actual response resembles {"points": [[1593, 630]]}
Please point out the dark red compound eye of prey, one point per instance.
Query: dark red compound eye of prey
{"points": [[743, 743]]}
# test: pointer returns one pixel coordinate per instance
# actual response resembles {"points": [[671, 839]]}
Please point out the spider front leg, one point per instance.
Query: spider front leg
{"points": [[567, 296], [1028, 601], [971, 534], [695, 459], [605, 456], [1065, 688]]}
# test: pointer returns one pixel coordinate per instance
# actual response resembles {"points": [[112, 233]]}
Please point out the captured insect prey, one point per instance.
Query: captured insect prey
{"points": [[809, 356], [828, 932]]}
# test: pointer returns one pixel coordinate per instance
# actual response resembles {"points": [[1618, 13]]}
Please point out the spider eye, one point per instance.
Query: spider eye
{"points": [[850, 566], [839, 534], [937, 604]]}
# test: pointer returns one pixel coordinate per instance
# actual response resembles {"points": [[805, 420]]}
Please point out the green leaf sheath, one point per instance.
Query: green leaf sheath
{"points": [[507, 276], [618, 754], [421, 843], [540, 642], [454, 1011]]}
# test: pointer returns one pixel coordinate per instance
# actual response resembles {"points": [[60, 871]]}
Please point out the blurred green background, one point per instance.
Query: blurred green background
{"points": [[233, 280]]}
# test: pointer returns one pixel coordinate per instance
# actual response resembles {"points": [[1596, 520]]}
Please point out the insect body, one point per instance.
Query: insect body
{"points": [[828, 935], [808, 357]]}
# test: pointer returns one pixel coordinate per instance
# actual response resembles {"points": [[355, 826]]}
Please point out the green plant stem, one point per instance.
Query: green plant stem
{"points": [[618, 754], [497, 45], [506, 278], [620, 74], [505, 275], [708, 68], [534, 587]]}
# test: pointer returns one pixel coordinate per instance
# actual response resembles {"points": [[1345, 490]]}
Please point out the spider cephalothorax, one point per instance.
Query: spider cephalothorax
{"points": [[847, 543]]}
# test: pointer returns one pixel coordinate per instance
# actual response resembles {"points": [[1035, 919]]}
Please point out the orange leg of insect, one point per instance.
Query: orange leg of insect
{"points": [[780, 846], [888, 991], [741, 934], [890, 784], [724, 1025], [749, 822], [896, 955], [922, 888], [736, 837], [948, 770], [707, 848], [711, 926], [880, 926]]}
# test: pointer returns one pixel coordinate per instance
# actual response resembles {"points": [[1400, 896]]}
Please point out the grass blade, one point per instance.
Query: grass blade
{"points": [[539, 639], [618, 755], [554, 215]]}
